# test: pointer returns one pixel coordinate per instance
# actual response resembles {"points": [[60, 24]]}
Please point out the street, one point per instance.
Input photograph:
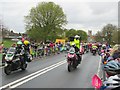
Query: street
{"points": [[40, 73]]}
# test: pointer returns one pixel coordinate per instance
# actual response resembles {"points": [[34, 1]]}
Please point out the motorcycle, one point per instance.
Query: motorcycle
{"points": [[94, 51], [72, 59], [3, 56], [14, 61]]}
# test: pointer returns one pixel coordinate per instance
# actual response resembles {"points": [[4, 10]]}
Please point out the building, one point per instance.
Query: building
{"points": [[90, 36]]}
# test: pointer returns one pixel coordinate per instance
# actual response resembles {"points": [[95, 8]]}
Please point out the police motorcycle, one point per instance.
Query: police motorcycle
{"points": [[14, 61], [94, 50], [3, 55], [72, 59]]}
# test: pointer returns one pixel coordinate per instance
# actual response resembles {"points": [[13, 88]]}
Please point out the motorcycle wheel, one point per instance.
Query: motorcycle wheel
{"points": [[69, 68], [75, 67], [94, 52], [24, 66], [7, 70]]}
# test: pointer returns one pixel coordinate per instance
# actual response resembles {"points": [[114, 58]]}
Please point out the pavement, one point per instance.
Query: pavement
{"points": [[0, 59], [51, 72]]}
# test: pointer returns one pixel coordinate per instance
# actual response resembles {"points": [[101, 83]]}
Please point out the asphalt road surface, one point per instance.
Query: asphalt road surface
{"points": [[51, 72]]}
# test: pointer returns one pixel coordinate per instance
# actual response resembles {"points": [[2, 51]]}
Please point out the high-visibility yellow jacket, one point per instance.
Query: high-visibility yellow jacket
{"points": [[71, 42], [77, 43], [94, 47]]}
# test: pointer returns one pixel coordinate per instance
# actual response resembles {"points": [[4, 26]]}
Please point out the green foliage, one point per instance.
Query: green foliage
{"points": [[116, 36], [7, 43], [44, 21], [98, 37], [73, 32], [108, 34]]}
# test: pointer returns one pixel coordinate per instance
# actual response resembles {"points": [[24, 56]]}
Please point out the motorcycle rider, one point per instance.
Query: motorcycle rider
{"points": [[19, 47], [77, 47], [26, 46], [73, 44], [77, 41], [94, 46]]}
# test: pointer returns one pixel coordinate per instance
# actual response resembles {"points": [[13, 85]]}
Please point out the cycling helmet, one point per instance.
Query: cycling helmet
{"points": [[19, 43], [112, 68], [26, 42], [112, 83]]}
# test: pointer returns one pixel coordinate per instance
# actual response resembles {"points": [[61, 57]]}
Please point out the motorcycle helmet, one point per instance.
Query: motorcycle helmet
{"points": [[112, 83], [112, 68], [76, 36], [104, 46], [19, 43], [26, 42]]}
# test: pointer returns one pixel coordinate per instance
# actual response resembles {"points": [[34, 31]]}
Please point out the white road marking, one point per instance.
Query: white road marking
{"points": [[2, 67], [18, 84], [32, 76]]}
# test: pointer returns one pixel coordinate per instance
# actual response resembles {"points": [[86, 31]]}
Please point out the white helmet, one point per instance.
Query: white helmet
{"points": [[76, 36], [103, 45]]}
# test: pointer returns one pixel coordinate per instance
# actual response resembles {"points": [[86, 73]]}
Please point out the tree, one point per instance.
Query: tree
{"points": [[116, 36], [99, 37], [107, 32], [82, 34], [73, 32], [46, 18]]}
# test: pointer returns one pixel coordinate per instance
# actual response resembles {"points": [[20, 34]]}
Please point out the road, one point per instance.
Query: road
{"points": [[56, 76]]}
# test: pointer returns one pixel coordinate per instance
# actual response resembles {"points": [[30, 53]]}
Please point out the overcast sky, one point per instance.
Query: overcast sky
{"points": [[81, 14]]}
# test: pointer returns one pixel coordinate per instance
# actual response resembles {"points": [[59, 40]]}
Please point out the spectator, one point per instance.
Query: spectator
{"points": [[1, 47]]}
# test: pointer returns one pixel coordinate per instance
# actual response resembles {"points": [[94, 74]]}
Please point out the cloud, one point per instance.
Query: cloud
{"points": [[80, 15]]}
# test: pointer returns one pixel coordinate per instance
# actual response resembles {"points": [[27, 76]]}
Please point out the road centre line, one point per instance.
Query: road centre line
{"points": [[35, 74], [18, 84]]}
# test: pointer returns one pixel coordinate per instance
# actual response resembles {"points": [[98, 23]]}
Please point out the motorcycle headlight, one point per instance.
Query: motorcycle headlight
{"points": [[71, 56], [9, 57]]}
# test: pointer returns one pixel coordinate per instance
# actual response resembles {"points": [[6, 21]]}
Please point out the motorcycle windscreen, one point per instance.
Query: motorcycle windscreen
{"points": [[96, 81], [72, 50]]}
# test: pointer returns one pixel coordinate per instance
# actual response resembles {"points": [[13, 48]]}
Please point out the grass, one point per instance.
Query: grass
{"points": [[8, 43], [0, 56]]}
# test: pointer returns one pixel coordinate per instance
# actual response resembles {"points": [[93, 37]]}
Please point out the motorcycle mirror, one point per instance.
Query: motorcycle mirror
{"points": [[96, 82], [17, 54]]}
